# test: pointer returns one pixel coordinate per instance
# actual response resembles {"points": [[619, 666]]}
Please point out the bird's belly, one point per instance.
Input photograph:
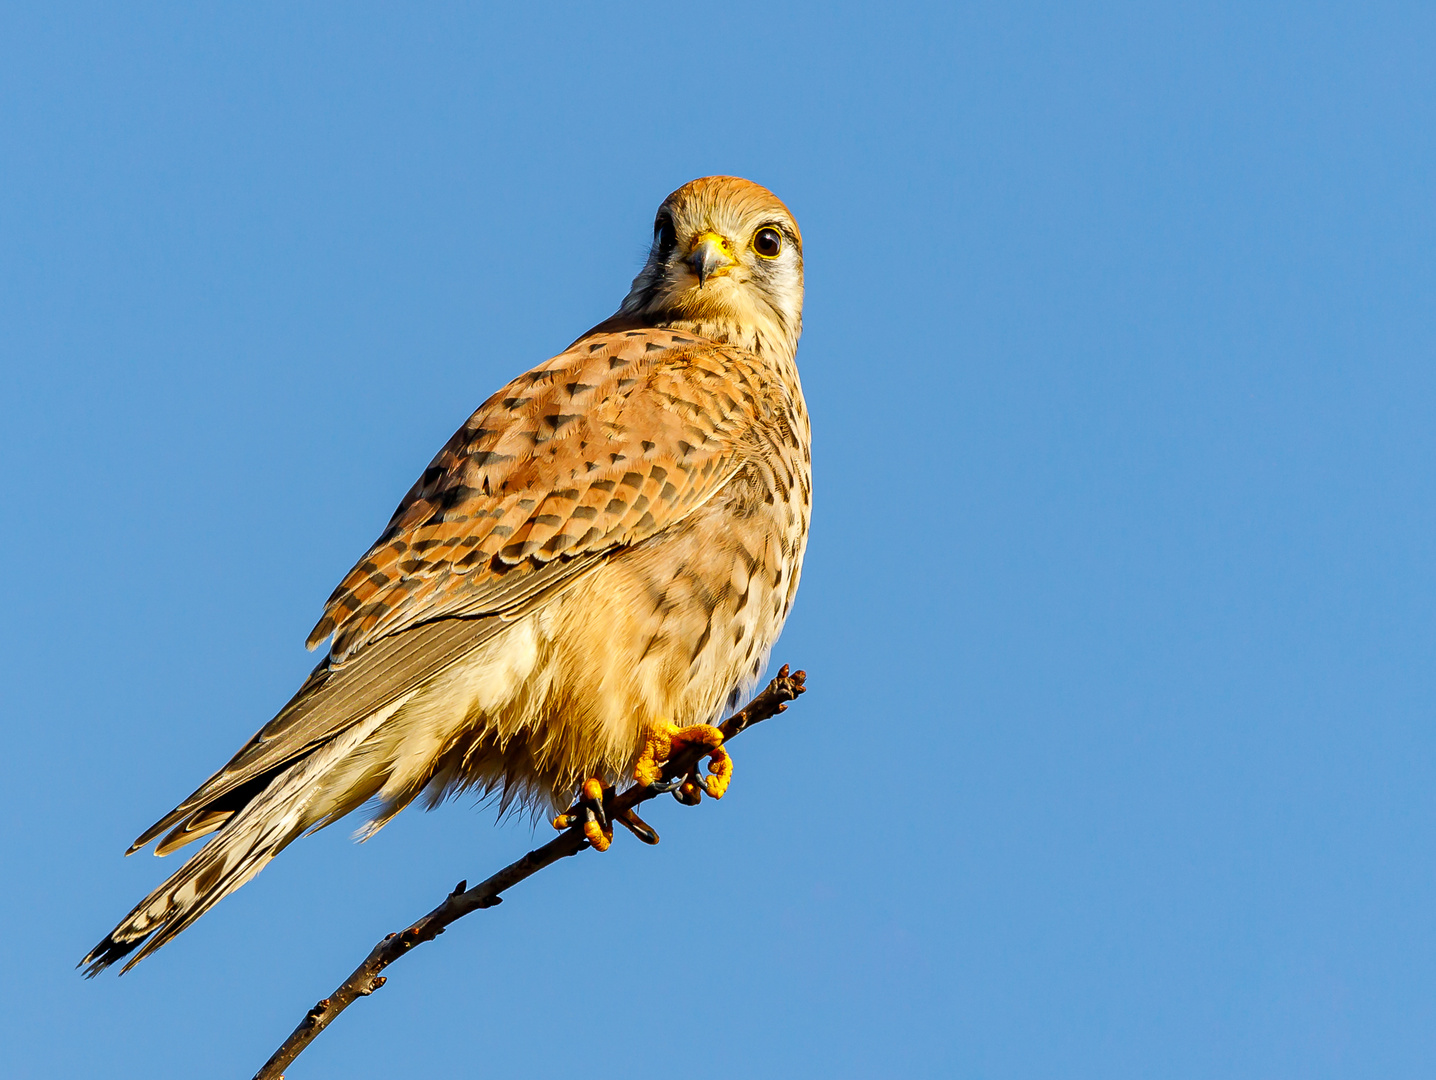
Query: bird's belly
{"points": [[675, 629]]}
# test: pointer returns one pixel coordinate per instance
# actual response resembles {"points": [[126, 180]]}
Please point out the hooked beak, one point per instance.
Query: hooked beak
{"points": [[709, 256]]}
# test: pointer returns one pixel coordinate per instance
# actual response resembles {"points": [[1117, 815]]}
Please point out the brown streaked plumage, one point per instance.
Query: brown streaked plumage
{"points": [[610, 543]]}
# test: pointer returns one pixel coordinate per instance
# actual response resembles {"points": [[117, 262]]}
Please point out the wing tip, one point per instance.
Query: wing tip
{"points": [[166, 822], [322, 629]]}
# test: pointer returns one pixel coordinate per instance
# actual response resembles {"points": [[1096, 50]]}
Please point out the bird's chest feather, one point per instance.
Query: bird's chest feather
{"points": [[678, 628]]}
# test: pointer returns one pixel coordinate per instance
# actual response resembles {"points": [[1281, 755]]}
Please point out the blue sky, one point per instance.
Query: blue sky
{"points": [[1119, 755]]}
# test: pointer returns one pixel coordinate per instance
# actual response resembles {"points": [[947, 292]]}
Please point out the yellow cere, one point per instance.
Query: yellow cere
{"points": [[711, 237]]}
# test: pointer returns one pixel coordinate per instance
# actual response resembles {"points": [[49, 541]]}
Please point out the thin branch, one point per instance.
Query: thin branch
{"points": [[366, 978]]}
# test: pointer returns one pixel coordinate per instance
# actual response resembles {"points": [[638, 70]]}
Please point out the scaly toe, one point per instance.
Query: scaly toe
{"points": [[595, 834], [720, 768], [657, 749], [589, 810]]}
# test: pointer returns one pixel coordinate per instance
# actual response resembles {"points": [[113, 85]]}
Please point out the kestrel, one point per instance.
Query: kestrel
{"points": [[591, 570]]}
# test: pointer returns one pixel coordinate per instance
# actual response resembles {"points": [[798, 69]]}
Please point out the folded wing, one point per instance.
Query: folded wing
{"points": [[607, 444]]}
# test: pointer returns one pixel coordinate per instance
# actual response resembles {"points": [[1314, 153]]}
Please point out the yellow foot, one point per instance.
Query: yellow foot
{"points": [[595, 813], [589, 809], [666, 740]]}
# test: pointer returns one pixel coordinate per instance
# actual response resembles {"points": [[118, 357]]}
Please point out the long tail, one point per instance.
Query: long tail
{"points": [[241, 848]]}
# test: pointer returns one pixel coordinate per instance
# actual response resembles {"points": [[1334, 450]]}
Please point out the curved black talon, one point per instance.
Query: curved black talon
{"points": [[637, 826], [596, 812]]}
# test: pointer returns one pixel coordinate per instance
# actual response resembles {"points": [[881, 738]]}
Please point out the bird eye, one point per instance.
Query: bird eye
{"points": [[665, 236], [767, 242]]}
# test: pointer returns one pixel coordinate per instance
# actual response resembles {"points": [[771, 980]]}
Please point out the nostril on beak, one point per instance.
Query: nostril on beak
{"points": [[707, 257]]}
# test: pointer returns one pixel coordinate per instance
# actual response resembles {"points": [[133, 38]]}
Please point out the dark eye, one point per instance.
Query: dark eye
{"points": [[767, 242], [665, 237]]}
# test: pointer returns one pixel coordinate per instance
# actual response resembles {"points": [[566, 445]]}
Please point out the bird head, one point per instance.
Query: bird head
{"points": [[727, 259]]}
